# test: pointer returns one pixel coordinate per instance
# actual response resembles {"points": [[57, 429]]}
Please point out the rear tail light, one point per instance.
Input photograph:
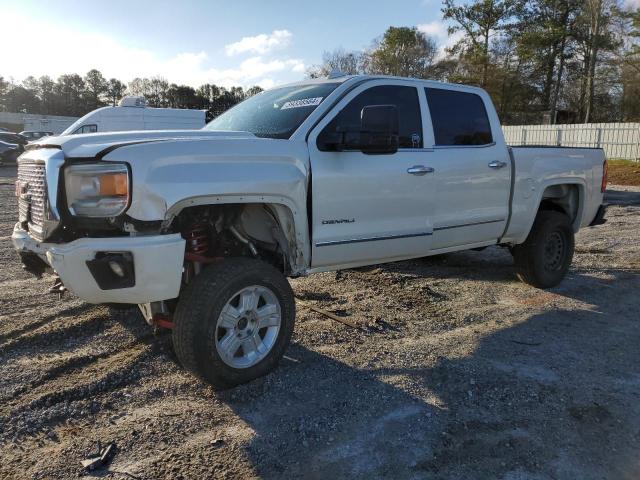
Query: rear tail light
{"points": [[605, 172]]}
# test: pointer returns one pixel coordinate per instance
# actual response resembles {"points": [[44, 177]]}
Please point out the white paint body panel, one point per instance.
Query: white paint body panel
{"points": [[538, 168], [157, 263], [462, 204]]}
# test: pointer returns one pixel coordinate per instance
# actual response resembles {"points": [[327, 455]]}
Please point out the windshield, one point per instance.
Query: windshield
{"points": [[275, 113]]}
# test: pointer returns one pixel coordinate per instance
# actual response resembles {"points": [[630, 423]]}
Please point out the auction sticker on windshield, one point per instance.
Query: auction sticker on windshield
{"points": [[303, 102]]}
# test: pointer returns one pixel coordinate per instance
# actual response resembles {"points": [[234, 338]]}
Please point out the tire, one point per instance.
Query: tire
{"points": [[545, 256], [250, 293]]}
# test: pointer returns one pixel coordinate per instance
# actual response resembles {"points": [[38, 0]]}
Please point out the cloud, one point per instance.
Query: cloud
{"points": [[260, 44], [632, 3], [252, 71], [438, 31], [75, 51]]}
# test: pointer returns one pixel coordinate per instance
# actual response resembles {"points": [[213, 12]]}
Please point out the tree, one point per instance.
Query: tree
{"points": [[544, 39], [70, 89], [629, 63], [183, 96], [139, 87], [45, 89], [349, 63], [157, 91], [115, 91], [402, 51], [479, 21], [20, 99], [595, 38], [95, 88], [250, 92]]}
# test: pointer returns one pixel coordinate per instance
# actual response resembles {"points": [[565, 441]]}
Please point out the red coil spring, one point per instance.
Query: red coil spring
{"points": [[197, 239]]}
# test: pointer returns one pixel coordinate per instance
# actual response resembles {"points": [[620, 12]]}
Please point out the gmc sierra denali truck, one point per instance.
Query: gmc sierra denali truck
{"points": [[201, 229]]}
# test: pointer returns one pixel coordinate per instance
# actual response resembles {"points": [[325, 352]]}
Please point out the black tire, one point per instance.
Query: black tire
{"points": [[198, 310], [545, 257]]}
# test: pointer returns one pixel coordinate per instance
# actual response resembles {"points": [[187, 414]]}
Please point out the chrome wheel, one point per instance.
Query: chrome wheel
{"points": [[248, 326]]}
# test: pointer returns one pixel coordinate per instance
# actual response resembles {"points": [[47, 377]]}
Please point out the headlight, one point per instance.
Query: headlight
{"points": [[97, 190]]}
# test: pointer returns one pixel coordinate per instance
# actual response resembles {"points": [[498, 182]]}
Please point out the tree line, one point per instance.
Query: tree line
{"points": [[549, 61], [73, 95]]}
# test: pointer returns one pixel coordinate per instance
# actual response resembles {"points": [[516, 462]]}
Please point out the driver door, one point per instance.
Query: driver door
{"points": [[369, 208]]}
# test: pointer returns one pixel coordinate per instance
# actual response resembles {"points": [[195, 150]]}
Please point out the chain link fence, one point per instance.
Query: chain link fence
{"points": [[619, 140]]}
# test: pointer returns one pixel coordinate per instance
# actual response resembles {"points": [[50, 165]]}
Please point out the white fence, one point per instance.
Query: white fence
{"points": [[619, 140]]}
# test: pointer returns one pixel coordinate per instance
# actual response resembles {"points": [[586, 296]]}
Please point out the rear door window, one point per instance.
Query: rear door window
{"points": [[459, 118]]}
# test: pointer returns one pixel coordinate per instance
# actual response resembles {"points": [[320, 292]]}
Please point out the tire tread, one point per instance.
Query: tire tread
{"points": [[196, 302]]}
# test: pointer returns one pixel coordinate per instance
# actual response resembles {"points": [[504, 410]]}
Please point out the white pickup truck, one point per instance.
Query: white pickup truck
{"points": [[202, 228]]}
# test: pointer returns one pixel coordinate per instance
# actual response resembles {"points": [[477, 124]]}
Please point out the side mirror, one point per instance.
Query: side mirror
{"points": [[379, 129]]}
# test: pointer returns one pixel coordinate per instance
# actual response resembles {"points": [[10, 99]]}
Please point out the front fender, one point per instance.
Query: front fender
{"points": [[170, 176]]}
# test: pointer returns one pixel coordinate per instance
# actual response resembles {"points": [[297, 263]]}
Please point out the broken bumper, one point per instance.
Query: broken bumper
{"points": [[153, 266]]}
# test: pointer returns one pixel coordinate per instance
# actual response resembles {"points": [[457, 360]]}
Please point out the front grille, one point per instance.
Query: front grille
{"points": [[32, 189]]}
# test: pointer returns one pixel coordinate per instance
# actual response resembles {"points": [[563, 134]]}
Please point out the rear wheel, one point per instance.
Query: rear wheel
{"points": [[234, 322], [544, 258]]}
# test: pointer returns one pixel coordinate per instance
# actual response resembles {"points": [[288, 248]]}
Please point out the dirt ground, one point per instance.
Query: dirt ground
{"points": [[624, 172], [457, 371]]}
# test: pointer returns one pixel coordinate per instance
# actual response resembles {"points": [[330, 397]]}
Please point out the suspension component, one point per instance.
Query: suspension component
{"points": [[197, 239], [162, 320]]}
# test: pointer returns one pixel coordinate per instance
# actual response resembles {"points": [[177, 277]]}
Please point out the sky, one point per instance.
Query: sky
{"points": [[235, 42], [194, 42]]}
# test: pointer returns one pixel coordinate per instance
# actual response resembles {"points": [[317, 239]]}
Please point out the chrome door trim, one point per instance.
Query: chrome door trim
{"points": [[448, 227], [372, 239]]}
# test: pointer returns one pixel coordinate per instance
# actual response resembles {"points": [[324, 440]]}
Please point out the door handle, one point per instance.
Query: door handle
{"points": [[419, 170], [497, 164]]}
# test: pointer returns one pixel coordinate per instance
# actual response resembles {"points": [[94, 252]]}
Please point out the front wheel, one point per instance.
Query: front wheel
{"points": [[234, 322], [545, 256]]}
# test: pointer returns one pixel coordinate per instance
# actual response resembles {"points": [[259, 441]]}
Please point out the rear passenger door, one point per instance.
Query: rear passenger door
{"points": [[471, 166]]}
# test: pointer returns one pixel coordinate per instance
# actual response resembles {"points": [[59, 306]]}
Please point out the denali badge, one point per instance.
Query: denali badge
{"points": [[341, 220]]}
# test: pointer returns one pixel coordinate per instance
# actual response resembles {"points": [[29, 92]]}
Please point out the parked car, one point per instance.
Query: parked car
{"points": [[9, 152], [133, 114], [15, 139], [32, 135], [202, 228]]}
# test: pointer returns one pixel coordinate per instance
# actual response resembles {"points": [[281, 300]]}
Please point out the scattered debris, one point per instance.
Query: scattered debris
{"points": [[381, 326], [529, 344], [330, 315], [103, 457], [291, 359], [58, 288]]}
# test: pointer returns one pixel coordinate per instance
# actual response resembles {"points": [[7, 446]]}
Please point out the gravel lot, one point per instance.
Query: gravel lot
{"points": [[457, 371]]}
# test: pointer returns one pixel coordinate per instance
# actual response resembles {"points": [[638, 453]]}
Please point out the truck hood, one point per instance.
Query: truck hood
{"points": [[94, 144]]}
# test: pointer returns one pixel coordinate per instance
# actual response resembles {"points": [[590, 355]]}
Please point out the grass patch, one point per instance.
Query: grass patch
{"points": [[624, 172]]}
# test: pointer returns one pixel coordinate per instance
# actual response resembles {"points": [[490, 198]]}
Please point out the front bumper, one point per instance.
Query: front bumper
{"points": [[157, 265]]}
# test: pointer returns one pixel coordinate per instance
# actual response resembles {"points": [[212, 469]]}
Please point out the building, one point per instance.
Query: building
{"points": [[17, 122]]}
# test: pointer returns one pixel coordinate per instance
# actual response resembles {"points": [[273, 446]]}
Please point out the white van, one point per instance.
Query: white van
{"points": [[132, 113]]}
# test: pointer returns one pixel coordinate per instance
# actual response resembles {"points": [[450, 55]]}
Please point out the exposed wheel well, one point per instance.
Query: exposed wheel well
{"points": [[563, 198], [256, 230]]}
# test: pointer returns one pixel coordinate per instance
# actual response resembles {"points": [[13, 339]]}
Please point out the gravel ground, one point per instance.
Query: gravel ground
{"points": [[457, 371]]}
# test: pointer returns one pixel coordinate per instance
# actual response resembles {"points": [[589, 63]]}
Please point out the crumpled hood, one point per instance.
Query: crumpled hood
{"points": [[93, 144]]}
